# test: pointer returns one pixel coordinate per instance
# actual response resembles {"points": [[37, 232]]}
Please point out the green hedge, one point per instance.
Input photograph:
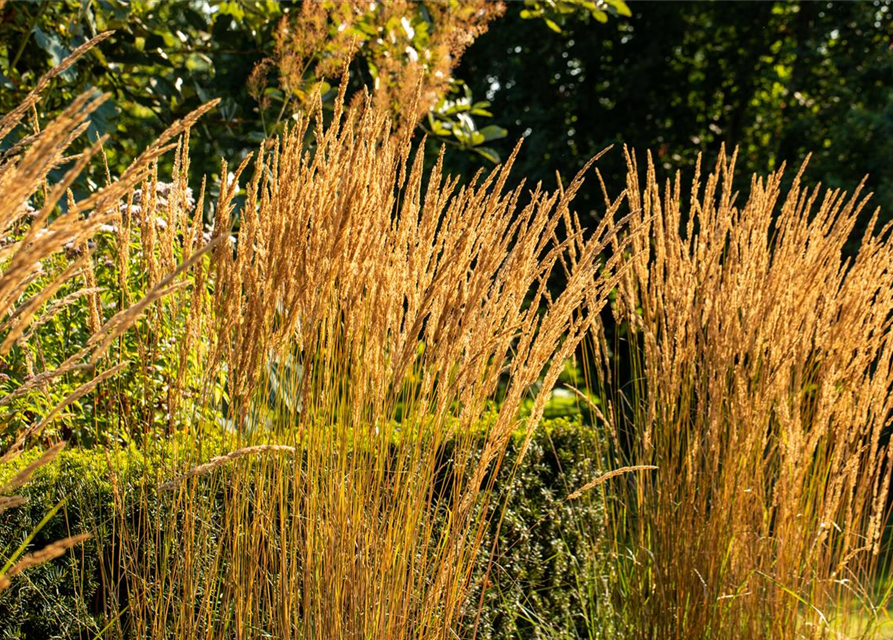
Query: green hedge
{"points": [[532, 577], [534, 581], [61, 599]]}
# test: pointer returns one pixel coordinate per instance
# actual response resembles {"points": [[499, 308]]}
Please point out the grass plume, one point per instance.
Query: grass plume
{"points": [[760, 385]]}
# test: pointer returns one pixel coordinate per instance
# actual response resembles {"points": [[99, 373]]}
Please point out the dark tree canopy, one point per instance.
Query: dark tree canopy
{"points": [[780, 80]]}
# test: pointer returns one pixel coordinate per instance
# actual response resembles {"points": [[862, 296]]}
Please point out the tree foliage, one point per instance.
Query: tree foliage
{"points": [[555, 12], [778, 79], [264, 60]]}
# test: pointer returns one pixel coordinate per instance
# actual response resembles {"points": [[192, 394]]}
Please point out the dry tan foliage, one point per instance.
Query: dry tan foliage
{"points": [[222, 460], [592, 484], [361, 305], [46, 554], [762, 383]]}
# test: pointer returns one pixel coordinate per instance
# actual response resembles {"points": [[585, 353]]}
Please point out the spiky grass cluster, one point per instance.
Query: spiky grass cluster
{"points": [[46, 266], [339, 352], [342, 374], [760, 386], [360, 309]]}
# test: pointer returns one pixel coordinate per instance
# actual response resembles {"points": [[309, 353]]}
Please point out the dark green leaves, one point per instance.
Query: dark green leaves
{"points": [[56, 50]]}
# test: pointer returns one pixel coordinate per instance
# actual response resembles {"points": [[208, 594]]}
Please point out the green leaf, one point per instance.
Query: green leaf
{"points": [[621, 7], [234, 9], [365, 28], [119, 11], [462, 136], [489, 153], [58, 52], [460, 106], [552, 25], [195, 19], [102, 120], [481, 109], [438, 128], [493, 132]]}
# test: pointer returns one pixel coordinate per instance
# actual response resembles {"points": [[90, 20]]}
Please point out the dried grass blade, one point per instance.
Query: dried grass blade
{"points": [[607, 476]]}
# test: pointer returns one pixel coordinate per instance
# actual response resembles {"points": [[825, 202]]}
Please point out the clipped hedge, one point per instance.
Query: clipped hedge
{"points": [[531, 572], [536, 567], [62, 599]]}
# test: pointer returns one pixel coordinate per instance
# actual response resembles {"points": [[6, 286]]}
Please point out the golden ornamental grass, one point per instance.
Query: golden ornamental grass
{"points": [[221, 460], [383, 327], [604, 477], [49, 552], [761, 387], [35, 240]]}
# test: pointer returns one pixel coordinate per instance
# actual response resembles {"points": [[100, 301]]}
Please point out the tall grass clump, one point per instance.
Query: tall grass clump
{"points": [[325, 380], [47, 269], [759, 385], [372, 334], [51, 244]]}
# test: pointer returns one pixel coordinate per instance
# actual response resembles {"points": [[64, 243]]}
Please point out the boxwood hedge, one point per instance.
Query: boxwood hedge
{"points": [[535, 554]]}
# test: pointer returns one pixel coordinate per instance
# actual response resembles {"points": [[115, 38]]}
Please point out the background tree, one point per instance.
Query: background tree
{"points": [[780, 80], [263, 60]]}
